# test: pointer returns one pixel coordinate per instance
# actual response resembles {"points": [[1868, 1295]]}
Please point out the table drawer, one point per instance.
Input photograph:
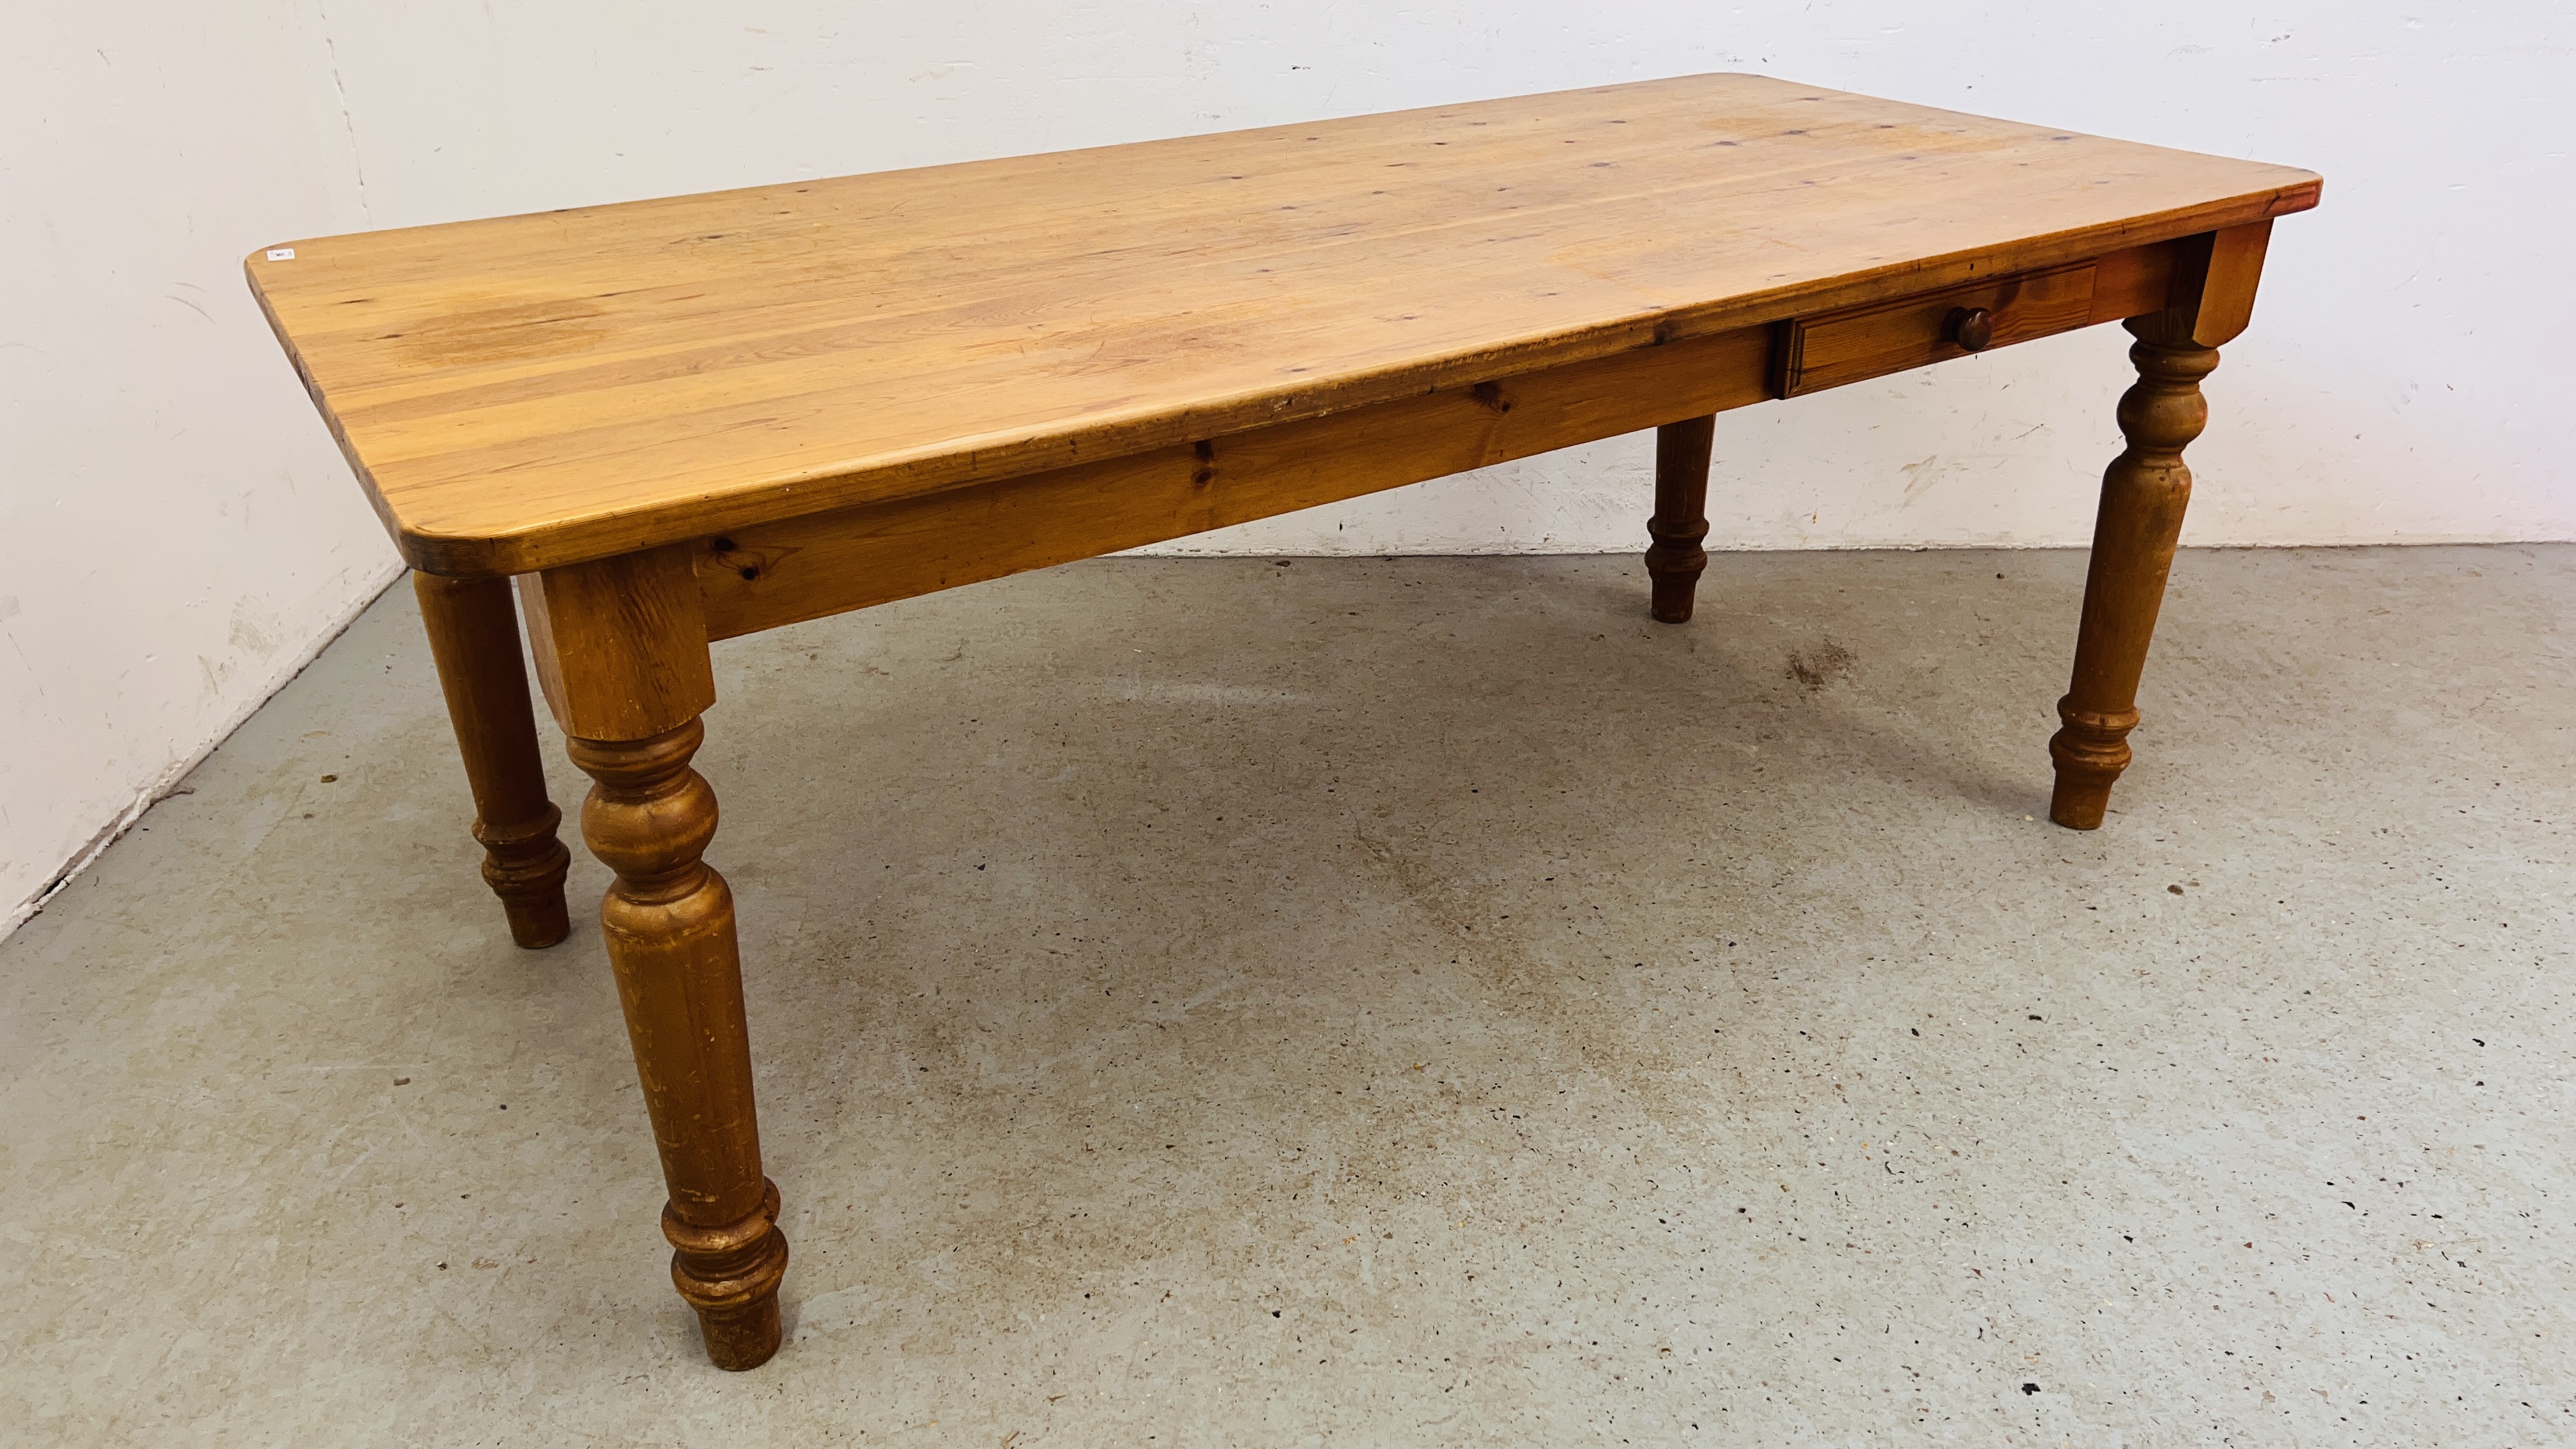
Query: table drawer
{"points": [[1833, 348]]}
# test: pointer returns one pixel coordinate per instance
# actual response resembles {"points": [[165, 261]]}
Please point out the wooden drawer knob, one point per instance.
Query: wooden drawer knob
{"points": [[1973, 328]]}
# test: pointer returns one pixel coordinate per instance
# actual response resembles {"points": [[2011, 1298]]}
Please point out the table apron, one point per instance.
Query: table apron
{"points": [[769, 574]]}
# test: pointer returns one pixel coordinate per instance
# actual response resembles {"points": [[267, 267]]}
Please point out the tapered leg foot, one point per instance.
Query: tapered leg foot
{"points": [[1675, 560], [730, 1275], [474, 636], [2090, 751], [668, 921], [2143, 497], [525, 866]]}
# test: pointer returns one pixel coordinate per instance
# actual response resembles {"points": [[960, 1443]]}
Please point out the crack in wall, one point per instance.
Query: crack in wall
{"points": [[348, 123]]}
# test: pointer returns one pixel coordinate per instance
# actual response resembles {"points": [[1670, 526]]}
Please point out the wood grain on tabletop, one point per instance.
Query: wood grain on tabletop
{"points": [[529, 391]]}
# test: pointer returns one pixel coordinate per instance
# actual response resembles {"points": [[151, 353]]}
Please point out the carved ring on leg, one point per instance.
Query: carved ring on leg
{"points": [[525, 866], [1674, 562], [730, 1275], [2090, 753], [1675, 559]]}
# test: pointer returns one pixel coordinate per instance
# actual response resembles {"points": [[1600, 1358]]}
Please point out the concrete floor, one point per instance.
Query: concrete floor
{"points": [[1410, 1002]]}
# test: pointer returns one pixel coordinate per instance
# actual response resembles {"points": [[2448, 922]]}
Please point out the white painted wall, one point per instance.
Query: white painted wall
{"points": [[2397, 386], [177, 534], [2391, 389]]}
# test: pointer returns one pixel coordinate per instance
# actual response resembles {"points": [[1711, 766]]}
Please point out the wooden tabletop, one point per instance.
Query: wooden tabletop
{"points": [[529, 391]]}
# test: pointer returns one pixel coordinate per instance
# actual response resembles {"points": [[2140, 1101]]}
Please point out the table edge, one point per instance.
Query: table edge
{"points": [[969, 461]]}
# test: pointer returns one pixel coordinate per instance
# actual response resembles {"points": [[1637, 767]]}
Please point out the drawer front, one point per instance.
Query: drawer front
{"points": [[1833, 348]]}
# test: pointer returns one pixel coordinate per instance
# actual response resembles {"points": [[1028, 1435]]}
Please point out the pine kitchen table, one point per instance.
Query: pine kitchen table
{"points": [[677, 421]]}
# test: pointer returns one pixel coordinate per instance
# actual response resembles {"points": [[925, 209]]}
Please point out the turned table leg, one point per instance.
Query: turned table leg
{"points": [[1675, 559], [669, 925], [474, 636], [2208, 303], [622, 652], [2143, 496]]}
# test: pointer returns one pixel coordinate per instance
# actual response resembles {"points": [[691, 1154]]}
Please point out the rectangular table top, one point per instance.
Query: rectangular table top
{"points": [[529, 391]]}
